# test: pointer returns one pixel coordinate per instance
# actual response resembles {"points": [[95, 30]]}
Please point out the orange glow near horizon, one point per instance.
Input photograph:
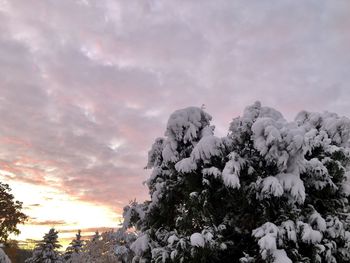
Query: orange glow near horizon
{"points": [[47, 207]]}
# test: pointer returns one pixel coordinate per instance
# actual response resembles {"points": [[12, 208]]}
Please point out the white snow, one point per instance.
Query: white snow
{"points": [[173, 254], [309, 235], [185, 126], [280, 256], [294, 185], [345, 188], [206, 148], [337, 128], [169, 152], [267, 242], [197, 240], [208, 236], [155, 154], [262, 136], [231, 171], [317, 221], [288, 230], [271, 187], [267, 235], [158, 193], [335, 227], [172, 239], [212, 171], [266, 228], [320, 176], [140, 245], [186, 165], [130, 210]]}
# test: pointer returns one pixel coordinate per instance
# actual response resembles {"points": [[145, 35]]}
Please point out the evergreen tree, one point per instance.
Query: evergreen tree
{"points": [[74, 250], [46, 250], [122, 242], [269, 191], [110, 240], [101, 249], [92, 250]]}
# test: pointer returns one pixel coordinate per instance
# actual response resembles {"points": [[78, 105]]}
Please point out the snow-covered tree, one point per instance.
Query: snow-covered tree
{"points": [[269, 191], [92, 250], [110, 240], [3, 257], [46, 250], [73, 251], [122, 242], [99, 249]]}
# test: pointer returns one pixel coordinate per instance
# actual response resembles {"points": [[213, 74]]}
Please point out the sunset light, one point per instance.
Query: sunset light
{"points": [[47, 207], [138, 131]]}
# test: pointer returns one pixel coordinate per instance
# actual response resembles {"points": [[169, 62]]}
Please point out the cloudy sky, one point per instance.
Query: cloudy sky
{"points": [[86, 86]]}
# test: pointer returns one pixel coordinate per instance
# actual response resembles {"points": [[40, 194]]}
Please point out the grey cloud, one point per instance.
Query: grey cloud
{"points": [[87, 85]]}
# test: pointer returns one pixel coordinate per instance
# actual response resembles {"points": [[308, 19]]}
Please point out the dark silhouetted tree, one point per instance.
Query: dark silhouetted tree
{"points": [[10, 213]]}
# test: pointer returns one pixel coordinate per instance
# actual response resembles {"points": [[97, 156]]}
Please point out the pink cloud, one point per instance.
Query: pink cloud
{"points": [[74, 78]]}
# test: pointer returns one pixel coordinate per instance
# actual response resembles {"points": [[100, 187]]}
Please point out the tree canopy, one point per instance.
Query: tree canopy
{"points": [[47, 249], [10, 213], [270, 191]]}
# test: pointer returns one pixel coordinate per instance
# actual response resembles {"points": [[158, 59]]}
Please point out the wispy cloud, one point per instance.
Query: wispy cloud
{"points": [[50, 223], [86, 86]]}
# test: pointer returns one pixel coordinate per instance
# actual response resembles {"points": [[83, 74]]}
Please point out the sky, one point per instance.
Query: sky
{"points": [[86, 87]]}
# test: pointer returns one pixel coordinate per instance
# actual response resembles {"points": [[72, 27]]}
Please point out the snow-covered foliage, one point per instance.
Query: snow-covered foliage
{"points": [[101, 248], [231, 171], [74, 250], [108, 247], [123, 241], [3, 257], [185, 127], [91, 250], [197, 240], [269, 191], [140, 245], [46, 250]]}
